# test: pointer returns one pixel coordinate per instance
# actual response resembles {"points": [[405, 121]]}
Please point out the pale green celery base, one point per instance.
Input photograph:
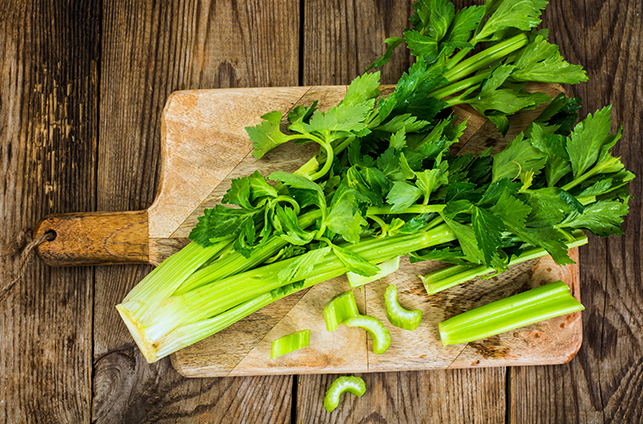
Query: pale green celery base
{"points": [[225, 294], [386, 268], [188, 334]]}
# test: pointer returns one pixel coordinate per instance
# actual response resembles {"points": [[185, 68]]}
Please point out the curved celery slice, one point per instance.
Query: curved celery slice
{"points": [[386, 268], [516, 311], [354, 385], [380, 334], [290, 343], [397, 315], [339, 309]]}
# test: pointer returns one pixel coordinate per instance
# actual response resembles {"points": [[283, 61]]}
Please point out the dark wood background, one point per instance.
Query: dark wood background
{"points": [[82, 87]]}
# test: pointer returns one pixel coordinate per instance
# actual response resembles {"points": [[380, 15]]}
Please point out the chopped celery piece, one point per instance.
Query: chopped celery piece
{"points": [[453, 275], [380, 334], [386, 268], [339, 309], [290, 343], [354, 385], [516, 311], [397, 315]]}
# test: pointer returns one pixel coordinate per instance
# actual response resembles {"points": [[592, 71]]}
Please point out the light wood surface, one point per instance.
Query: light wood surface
{"points": [[83, 86]]}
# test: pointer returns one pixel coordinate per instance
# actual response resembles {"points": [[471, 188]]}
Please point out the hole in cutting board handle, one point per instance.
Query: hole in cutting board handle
{"points": [[94, 238]]}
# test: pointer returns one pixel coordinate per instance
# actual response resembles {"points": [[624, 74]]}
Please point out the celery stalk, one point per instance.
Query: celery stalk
{"points": [[516, 311], [180, 321], [450, 276], [290, 343]]}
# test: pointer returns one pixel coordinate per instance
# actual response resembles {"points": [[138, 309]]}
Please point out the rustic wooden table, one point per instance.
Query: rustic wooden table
{"points": [[82, 87]]}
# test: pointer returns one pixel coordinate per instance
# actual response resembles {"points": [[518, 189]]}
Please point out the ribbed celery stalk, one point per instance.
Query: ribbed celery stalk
{"points": [[180, 321], [516, 311], [453, 275]]}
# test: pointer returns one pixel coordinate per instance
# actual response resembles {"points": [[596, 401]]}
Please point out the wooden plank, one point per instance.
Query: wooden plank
{"points": [[342, 38], [48, 121], [150, 50], [603, 383], [447, 396]]}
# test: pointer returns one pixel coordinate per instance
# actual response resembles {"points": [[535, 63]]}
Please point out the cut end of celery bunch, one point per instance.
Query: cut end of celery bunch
{"points": [[148, 351]]}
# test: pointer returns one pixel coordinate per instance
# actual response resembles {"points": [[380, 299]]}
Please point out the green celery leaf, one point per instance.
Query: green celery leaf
{"points": [[414, 224], [599, 187], [562, 112], [602, 218], [259, 187], [344, 216], [553, 145], [519, 14], [293, 234], [397, 140], [402, 195], [300, 115], [541, 61], [511, 210], [442, 14], [405, 121], [363, 88], [519, 156], [410, 93], [488, 229], [422, 45], [246, 239], [354, 262], [347, 118], [302, 265], [267, 135], [391, 44], [302, 183], [375, 181], [468, 242], [389, 164], [221, 222], [571, 201], [462, 190], [496, 189], [549, 239], [356, 181], [407, 170], [430, 179], [464, 22], [239, 193], [587, 139]]}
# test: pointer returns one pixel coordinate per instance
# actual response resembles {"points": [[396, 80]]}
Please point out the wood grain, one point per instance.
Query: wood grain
{"points": [[149, 50], [98, 238], [48, 136], [603, 383]]}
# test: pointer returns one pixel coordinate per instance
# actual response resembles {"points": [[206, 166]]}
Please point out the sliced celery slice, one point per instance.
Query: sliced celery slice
{"points": [[339, 309], [397, 315], [380, 334], [290, 343], [354, 385]]}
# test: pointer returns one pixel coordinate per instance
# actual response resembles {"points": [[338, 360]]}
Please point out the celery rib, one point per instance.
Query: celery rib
{"points": [[516, 311]]}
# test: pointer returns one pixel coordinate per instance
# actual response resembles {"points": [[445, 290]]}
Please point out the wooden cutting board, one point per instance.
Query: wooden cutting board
{"points": [[204, 146]]}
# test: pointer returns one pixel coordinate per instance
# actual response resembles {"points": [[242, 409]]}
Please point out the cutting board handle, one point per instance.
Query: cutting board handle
{"points": [[94, 238]]}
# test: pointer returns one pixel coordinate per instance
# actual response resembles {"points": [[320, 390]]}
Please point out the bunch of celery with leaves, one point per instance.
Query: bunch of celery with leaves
{"points": [[385, 185]]}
